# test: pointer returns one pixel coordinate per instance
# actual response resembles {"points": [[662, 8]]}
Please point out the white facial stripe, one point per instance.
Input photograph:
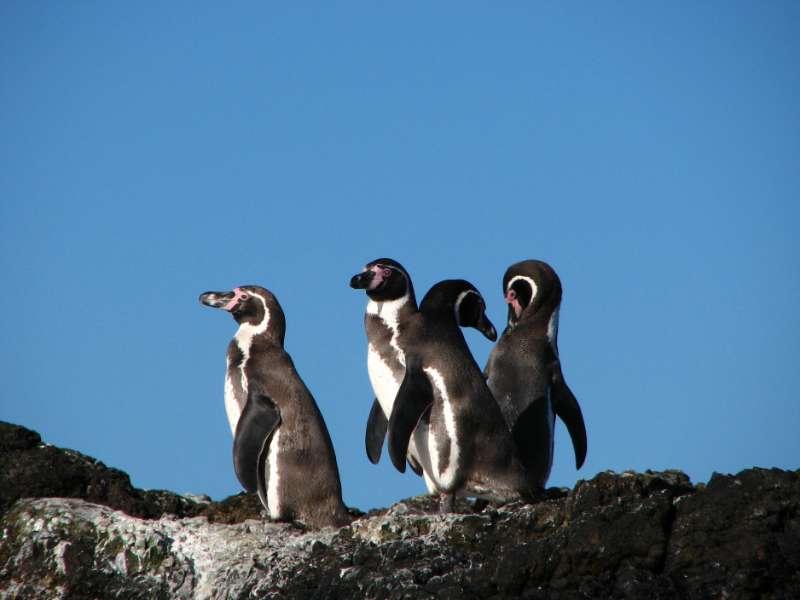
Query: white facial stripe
{"points": [[273, 499], [446, 478], [247, 331], [460, 298], [534, 291], [528, 280]]}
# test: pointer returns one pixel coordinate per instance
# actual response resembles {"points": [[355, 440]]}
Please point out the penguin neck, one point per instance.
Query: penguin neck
{"points": [[393, 311], [542, 322], [442, 311], [251, 334]]}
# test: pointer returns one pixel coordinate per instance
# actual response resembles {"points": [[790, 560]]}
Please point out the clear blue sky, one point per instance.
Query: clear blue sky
{"points": [[649, 152]]}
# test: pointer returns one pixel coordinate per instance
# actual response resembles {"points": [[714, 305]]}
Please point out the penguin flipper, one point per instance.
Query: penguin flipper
{"points": [[377, 423], [413, 399], [566, 406], [258, 421]]}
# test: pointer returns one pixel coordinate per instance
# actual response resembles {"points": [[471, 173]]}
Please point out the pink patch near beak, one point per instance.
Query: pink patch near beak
{"points": [[511, 298], [377, 279], [239, 295]]}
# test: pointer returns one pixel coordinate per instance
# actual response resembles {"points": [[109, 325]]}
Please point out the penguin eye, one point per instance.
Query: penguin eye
{"points": [[387, 272], [244, 297]]}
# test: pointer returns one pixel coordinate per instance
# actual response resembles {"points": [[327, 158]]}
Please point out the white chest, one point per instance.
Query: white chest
{"points": [[235, 376], [382, 379], [233, 406]]}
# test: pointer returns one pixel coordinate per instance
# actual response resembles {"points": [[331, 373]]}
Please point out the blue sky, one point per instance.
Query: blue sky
{"points": [[649, 152]]}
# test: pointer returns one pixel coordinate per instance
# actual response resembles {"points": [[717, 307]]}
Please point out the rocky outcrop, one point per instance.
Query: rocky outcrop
{"points": [[629, 535]]}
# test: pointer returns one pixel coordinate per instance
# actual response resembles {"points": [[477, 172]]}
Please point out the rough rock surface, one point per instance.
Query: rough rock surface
{"points": [[629, 535]]}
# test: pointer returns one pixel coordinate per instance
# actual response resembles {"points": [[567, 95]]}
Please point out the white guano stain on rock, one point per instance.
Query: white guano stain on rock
{"points": [[191, 557]]}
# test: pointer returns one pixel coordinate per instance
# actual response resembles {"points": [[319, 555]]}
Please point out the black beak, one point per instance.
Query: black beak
{"points": [[362, 280], [484, 325], [216, 299]]}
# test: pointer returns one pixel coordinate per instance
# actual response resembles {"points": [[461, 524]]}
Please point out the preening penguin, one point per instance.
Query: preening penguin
{"points": [[281, 447], [445, 406], [524, 370]]}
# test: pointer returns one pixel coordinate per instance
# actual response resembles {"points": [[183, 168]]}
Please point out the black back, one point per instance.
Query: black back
{"points": [[435, 341], [524, 370]]}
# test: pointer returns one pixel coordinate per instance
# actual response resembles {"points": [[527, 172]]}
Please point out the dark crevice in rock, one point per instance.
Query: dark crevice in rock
{"points": [[666, 523]]}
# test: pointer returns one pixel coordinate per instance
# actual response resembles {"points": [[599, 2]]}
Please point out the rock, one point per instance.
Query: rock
{"points": [[29, 468], [741, 535], [630, 535]]}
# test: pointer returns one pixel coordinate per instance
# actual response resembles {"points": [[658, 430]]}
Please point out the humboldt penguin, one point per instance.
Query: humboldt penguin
{"points": [[281, 449], [524, 370], [445, 406], [391, 302]]}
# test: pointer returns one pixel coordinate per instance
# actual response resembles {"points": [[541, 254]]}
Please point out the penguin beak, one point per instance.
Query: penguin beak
{"points": [[217, 299], [362, 280], [485, 326]]}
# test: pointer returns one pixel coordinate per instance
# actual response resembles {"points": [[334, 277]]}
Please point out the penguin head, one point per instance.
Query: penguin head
{"points": [[464, 300], [250, 305], [531, 287], [383, 279]]}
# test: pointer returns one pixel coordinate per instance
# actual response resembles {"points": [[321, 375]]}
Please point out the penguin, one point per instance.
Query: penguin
{"points": [[444, 405], [281, 447], [524, 370], [391, 302]]}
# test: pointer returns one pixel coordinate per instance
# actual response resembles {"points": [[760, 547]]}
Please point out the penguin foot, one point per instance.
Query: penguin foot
{"points": [[301, 526], [534, 496]]}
